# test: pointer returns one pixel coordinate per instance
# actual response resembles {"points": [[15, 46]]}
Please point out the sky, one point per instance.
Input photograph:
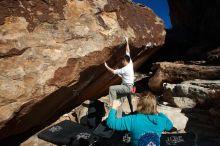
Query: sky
{"points": [[160, 7]]}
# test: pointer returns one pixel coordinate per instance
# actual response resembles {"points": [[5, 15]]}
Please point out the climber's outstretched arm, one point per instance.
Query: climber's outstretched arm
{"points": [[109, 68], [127, 46]]}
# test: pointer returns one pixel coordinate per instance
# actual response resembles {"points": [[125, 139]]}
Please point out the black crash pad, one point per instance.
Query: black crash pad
{"points": [[73, 134], [181, 139], [67, 133]]}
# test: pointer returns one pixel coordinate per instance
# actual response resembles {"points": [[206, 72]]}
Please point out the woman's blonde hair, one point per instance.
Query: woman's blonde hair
{"points": [[147, 104]]}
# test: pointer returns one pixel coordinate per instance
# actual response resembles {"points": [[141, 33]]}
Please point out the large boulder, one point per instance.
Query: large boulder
{"points": [[178, 118], [52, 54], [201, 92], [176, 72], [181, 102], [213, 55]]}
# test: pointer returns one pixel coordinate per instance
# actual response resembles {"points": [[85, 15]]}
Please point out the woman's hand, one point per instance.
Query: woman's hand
{"points": [[116, 104]]}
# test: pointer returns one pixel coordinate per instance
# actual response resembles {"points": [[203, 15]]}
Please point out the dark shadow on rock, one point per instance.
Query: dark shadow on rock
{"points": [[200, 122], [141, 86]]}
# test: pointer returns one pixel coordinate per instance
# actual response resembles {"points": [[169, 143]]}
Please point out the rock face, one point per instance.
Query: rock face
{"points": [[181, 102], [199, 19], [203, 92], [52, 54], [214, 55], [168, 72], [174, 114]]}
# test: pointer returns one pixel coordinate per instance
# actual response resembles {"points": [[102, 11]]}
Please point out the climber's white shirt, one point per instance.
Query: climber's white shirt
{"points": [[126, 73]]}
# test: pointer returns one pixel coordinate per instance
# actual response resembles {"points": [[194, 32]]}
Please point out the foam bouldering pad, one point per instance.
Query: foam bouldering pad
{"points": [[109, 137], [73, 134], [68, 133], [103, 131], [181, 139]]}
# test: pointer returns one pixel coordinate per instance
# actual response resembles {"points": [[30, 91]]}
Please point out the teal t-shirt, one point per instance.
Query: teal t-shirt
{"points": [[139, 124]]}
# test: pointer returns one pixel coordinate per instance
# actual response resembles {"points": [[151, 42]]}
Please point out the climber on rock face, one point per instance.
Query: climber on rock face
{"points": [[127, 75]]}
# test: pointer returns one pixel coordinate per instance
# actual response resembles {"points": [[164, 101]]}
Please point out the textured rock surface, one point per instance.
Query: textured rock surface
{"points": [[175, 115], [51, 54], [215, 113], [167, 72], [200, 19], [214, 55], [181, 102], [35, 141], [203, 92], [203, 124]]}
